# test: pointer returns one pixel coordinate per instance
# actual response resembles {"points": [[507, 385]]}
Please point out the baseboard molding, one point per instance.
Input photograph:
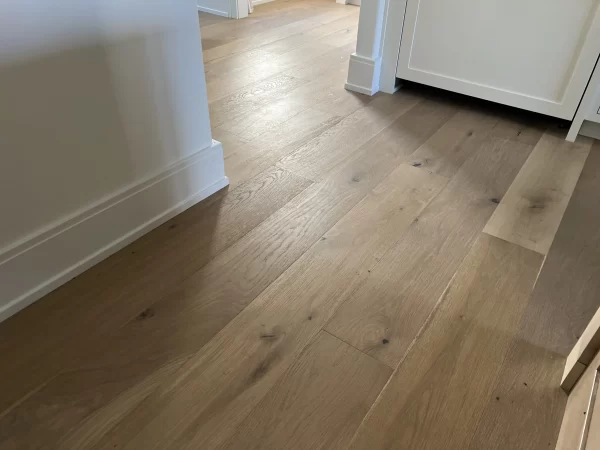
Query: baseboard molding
{"points": [[216, 12], [590, 129], [42, 262], [363, 75], [349, 2], [260, 2]]}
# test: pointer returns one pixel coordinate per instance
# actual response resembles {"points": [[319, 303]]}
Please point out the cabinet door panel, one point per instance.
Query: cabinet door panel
{"points": [[533, 54]]}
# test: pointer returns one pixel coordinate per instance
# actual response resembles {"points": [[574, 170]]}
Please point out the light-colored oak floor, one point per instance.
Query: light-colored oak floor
{"points": [[370, 280]]}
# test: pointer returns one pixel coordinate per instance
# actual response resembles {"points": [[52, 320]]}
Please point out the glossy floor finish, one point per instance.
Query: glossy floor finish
{"points": [[370, 280]]}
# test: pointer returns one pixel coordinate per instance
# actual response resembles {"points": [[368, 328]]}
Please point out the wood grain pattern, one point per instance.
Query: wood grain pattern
{"points": [[383, 317], [446, 151], [252, 97], [345, 212], [562, 303], [226, 76], [319, 402], [234, 371], [231, 142], [436, 396], [574, 256], [343, 25], [92, 306], [530, 212], [316, 158], [264, 151]]}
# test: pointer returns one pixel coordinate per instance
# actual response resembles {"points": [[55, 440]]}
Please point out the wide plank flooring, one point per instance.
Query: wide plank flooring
{"points": [[370, 279]]}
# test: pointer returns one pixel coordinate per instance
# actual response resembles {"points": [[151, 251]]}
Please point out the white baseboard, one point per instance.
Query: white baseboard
{"points": [[348, 2], [44, 261], [363, 75], [260, 2], [590, 129], [216, 12]]}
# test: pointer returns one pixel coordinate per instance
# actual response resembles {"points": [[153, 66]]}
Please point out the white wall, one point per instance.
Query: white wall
{"points": [[104, 132]]}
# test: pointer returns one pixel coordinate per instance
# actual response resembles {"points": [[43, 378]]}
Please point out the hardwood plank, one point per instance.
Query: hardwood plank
{"points": [[447, 150], [206, 19], [435, 397], [236, 369], [222, 68], [194, 311], [93, 305], [250, 99], [264, 68], [266, 150], [562, 303], [383, 317], [256, 40], [270, 35], [258, 121], [574, 256], [530, 212], [326, 92], [231, 142], [339, 27], [316, 158], [253, 122], [235, 29], [324, 63], [319, 402]]}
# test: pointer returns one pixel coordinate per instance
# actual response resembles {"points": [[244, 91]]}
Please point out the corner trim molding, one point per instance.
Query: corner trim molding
{"points": [[363, 74], [216, 12], [49, 258]]}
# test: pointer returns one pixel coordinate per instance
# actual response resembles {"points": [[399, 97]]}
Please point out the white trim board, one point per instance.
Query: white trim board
{"points": [[260, 2], [216, 12], [43, 262], [363, 75]]}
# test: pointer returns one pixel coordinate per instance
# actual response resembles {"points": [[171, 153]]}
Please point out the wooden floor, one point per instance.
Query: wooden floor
{"points": [[368, 280]]}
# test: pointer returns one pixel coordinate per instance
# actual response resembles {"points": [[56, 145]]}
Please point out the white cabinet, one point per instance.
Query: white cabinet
{"points": [[594, 113], [533, 54]]}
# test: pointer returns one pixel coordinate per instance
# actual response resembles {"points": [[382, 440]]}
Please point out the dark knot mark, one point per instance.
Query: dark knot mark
{"points": [[495, 200], [385, 341], [309, 317], [172, 226], [323, 238], [145, 314], [417, 164], [268, 336], [537, 206], [263, 367], [525, 384], [356, 178], [470, 133], [498, 398]]}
